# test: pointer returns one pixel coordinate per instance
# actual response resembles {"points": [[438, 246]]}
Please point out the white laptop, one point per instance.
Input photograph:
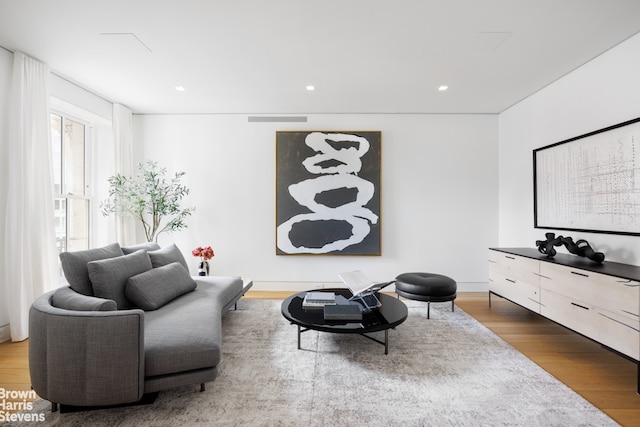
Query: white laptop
{"points": [[358, 283]]}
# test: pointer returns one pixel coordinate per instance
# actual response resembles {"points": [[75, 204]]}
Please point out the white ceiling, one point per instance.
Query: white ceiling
{"points": [[363, 56]]}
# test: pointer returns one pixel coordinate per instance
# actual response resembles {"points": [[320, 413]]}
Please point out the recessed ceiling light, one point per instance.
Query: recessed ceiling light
{"points": [[442, 88], [180, 88], [311, 88]]}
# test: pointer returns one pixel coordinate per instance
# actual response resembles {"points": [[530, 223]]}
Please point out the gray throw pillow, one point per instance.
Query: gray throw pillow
{"points": [[74, 265], [153, 289], [68, 299], [148, 246], [109, 276], [167, 255]]}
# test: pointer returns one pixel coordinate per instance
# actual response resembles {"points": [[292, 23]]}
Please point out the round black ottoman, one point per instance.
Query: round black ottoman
{"points": [[427, 287]]}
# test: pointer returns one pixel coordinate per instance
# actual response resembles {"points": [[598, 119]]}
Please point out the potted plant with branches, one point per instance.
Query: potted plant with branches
{"points": [[149, 197]]}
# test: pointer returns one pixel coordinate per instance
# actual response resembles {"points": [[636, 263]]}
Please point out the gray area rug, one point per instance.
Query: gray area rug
{"points": [[446, 371]]}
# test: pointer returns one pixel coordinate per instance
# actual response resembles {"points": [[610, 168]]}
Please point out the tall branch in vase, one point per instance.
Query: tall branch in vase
{"points": [[150, 198]]}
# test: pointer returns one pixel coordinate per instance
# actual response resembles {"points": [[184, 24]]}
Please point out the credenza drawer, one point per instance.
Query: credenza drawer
{"points": [[569, 312], [620, 333], [611, 293], [515, 267], [518, 291]]}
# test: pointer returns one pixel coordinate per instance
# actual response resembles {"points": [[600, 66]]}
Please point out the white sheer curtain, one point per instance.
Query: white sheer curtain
{"points": [[123, 144], [29, 260]]}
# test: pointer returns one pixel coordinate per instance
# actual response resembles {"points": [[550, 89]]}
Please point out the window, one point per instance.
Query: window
{"points": [[71, 202]]}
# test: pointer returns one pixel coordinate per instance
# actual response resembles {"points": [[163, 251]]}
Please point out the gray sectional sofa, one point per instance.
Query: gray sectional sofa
{"points": [[132, 321]]}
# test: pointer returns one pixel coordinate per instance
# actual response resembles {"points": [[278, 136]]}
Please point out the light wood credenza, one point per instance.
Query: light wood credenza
{"points": [[599, 301]]}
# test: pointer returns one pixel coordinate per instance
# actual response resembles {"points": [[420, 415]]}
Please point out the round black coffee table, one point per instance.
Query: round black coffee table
{"points": [[390, 314]]}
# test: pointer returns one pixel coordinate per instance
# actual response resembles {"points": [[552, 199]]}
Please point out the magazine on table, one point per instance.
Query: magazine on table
{"points": [[363, 289], [359, 284]]}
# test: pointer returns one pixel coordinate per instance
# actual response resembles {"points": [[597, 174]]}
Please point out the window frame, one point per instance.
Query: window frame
{"points": [[88, 196]]}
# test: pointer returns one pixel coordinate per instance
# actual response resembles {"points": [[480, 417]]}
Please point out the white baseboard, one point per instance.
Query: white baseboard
{"points": [[5, 333], [473, 287], [293, 286], [305, 286]]}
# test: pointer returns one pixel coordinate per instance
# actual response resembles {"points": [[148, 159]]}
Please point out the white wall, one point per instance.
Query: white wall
{"points": [[81, 99], [601, 93], [439, 194]]}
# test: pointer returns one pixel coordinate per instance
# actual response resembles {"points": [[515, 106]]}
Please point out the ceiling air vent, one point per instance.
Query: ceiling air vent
{"points": [[277, 119]]}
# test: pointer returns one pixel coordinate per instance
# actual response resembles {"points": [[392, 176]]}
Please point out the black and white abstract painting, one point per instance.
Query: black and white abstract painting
{"points": [[328, 192]]}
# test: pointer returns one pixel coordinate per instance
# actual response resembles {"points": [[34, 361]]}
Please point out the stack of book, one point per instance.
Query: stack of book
{"points": [[343, 312], [318, 299]]}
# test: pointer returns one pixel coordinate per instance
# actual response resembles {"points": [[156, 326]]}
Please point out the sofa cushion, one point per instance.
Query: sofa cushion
{"points": [[225, 289], [74, 265], [167, 255], [147, 246], [109, 276], [184, 335], [154, 288], [68, 299]]}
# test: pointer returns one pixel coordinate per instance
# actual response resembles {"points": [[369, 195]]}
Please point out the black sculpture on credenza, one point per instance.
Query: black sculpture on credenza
{"points": [[547, 246], [580, 248]]}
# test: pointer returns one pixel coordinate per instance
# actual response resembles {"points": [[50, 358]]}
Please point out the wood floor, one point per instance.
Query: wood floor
{"points": [[602, 377]]}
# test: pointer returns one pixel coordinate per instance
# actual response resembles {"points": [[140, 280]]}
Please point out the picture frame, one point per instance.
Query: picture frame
{"points": [[590, 183], [328, 192]]}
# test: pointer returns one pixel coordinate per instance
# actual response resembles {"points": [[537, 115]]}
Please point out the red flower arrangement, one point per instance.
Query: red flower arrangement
{"points": [[204, 253]]}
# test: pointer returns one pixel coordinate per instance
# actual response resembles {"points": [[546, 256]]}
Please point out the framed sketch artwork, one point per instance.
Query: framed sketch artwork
{"points": [[590, 182], [328, 192]]}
